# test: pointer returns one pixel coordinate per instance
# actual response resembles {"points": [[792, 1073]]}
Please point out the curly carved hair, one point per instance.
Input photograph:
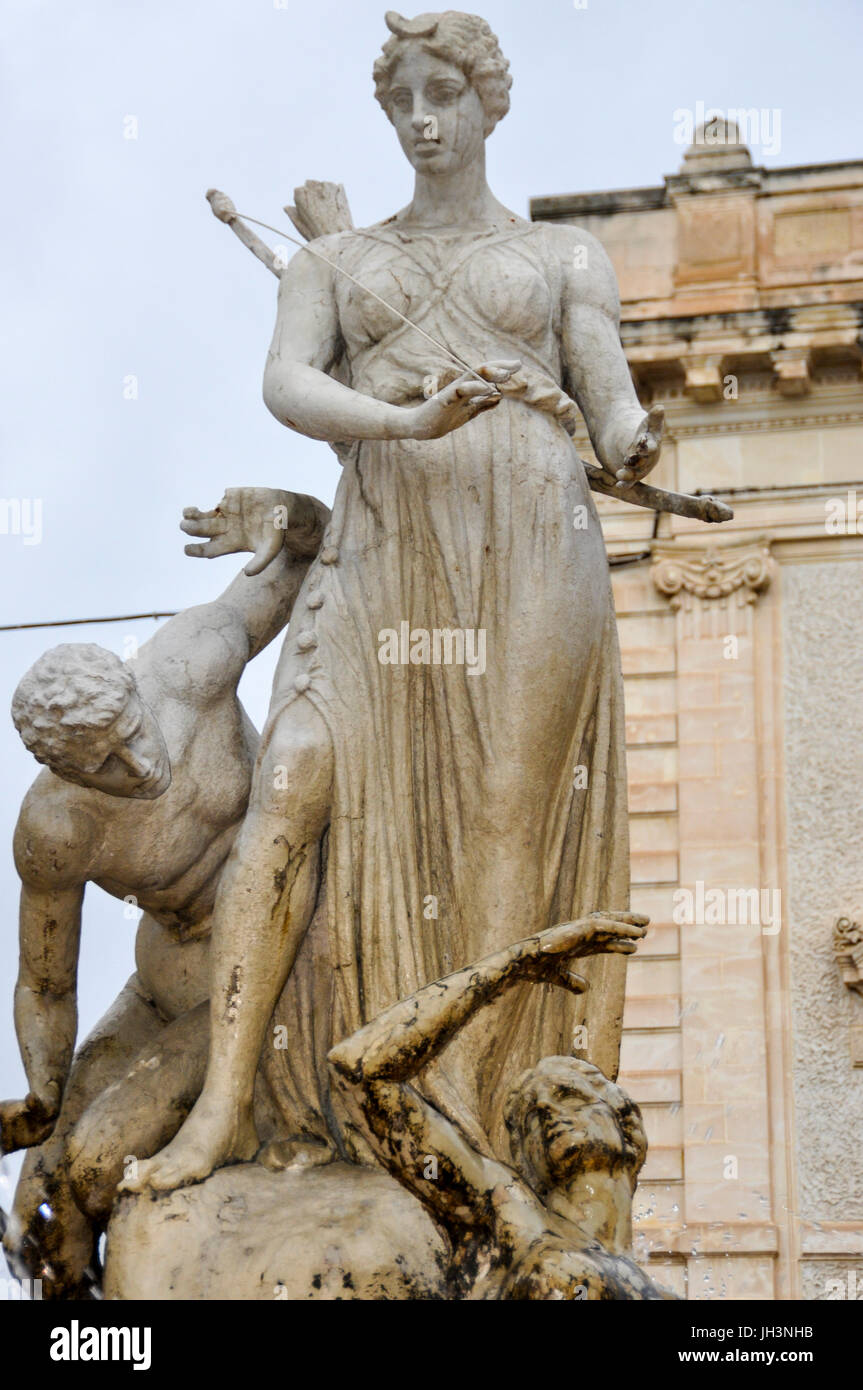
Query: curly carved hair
{"points": [[71, 691], [570, 1074], [464, 40]]}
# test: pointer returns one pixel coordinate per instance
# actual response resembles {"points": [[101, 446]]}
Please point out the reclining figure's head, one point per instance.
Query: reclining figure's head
{"points": [[566, 1119], [79, 711]]}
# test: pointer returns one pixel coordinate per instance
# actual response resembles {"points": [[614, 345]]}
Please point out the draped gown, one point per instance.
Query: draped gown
{"points": [[460, 822]]}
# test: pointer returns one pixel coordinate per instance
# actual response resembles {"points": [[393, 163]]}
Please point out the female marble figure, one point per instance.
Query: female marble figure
{"points": [[414, 813]]}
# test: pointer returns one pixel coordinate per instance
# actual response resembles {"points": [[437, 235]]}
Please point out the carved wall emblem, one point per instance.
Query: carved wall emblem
{"points": [[848, 949], [713, 590], [712, 573]]}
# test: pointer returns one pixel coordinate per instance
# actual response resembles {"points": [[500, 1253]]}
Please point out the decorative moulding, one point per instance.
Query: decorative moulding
{"points": [[848, 949], [715, 574]]}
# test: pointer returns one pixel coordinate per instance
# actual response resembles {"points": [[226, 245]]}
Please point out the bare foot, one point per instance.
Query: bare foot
{"points": [[213, 1135]]}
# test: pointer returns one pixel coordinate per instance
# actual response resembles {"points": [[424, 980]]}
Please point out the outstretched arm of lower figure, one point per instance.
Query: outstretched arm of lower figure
{"points": [[410, 1034], [373, 1066]]}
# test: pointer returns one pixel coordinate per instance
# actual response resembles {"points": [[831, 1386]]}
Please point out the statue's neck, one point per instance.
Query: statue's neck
{"points": [[600, 1205], [462, 197]]}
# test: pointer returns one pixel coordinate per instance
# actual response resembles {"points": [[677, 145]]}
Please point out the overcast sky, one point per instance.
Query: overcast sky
{"points": [[114, 268]]}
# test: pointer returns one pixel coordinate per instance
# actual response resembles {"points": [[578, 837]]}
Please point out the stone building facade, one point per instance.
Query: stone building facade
{"points": [[742, 310]]}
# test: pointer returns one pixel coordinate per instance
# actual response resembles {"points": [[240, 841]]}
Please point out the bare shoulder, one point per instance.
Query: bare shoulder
{"points": [[306, 318], [588, 273], [315, 261], [200, 655], [334, 243], [57, 835]]}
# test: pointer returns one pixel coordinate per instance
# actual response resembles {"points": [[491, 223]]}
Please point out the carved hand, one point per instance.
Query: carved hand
{"points": [[642, 453], [25, 1123], [459, 402], [546, 957], [247, 518]]}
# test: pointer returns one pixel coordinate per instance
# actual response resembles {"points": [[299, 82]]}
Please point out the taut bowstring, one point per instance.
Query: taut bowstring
{"points": [[393, 310]]}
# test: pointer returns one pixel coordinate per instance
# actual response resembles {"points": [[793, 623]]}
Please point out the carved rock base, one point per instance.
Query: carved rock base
{"points": [[336, 1232]]}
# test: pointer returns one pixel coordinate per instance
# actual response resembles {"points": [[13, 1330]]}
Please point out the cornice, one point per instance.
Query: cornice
{"points": [[741, 424]]}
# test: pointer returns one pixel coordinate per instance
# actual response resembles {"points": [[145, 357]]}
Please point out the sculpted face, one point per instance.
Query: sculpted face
{"points": [[128, 759], [571, 1125], [438, 116]]}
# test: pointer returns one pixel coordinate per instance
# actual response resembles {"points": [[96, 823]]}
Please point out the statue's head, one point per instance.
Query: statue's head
{"points": [[566, 1119], [78, 709], [444, 84]]}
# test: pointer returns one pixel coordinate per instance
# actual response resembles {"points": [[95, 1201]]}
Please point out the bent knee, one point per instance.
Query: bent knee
{"points": [[93, 1169]]}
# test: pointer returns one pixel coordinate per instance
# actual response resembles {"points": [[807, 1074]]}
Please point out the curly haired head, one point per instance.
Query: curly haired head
{"points": [[464, 40], [570, 1084], [71, 692]]}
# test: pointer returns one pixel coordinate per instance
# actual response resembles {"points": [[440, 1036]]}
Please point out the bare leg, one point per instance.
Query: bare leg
{"points": [[265, 904], [138, 1114], [49, 1238]]}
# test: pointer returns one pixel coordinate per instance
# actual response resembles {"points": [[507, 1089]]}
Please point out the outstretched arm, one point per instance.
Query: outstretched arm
{"points": [[406, 1037], [204, 650], [415, 1141], [283, 530]]}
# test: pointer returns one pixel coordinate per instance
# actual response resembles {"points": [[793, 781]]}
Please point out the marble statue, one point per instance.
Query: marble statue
{"points": [[457, 512], [147, 777], [441, 772]]}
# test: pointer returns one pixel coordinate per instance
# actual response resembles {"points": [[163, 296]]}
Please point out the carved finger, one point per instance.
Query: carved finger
{"points": [[576, 984], [209, 550], [466, 390], [611, 931], [500, 371], [487, 402], [196, 514], [265, 553], [204, 524], [656, 421], [636, 919]]}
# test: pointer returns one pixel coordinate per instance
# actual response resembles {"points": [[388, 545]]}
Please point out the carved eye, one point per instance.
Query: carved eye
{"points": [[443, 93]]}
